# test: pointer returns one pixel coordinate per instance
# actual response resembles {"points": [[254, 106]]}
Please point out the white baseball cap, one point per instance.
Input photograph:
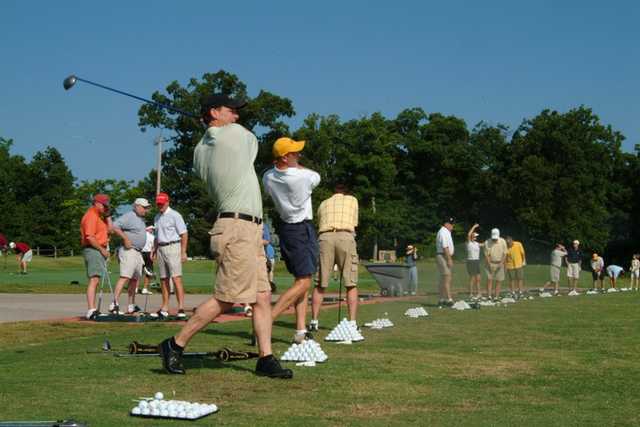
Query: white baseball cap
{"points": [[12, 245], [495, 233], [576, 242], [142, 202]]}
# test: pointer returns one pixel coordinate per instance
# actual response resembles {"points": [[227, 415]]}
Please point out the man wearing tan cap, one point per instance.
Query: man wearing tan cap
{"points": [[131, 229], [290, 185], [224, 159], [94, 239], [337, 219]]}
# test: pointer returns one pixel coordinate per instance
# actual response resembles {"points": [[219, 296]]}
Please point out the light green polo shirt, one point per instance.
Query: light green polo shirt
{"points": [[223, 159]]}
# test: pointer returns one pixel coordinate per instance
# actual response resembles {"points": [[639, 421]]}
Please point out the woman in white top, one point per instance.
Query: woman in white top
{"points": [[473, 263], [635, 272]]}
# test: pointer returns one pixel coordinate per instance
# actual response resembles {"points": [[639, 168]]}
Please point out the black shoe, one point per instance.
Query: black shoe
{"points": [[313, 327], [171, 358], [268, 366]]}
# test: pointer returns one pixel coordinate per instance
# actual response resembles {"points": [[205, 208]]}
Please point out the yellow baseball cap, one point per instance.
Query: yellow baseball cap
{"points": [[285, 145]]}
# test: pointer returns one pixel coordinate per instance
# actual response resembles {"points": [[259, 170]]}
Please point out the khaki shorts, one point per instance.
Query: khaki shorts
{"points": [[443, 268], [338, 248], [27, 256], [516, 273], [169, 260], [495, 272], [94, 262], [131, 263], [554, 272], [573, 270], [236, 245]]}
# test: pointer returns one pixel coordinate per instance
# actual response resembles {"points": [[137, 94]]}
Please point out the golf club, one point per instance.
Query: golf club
{"points": [[107, 278], [70, 81], [340, 294]]}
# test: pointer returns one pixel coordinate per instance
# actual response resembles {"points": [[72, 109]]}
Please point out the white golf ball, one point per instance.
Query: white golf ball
{"points": [[145, 411], [136, 410], [155, 412], [159, 395], [164, 413]]}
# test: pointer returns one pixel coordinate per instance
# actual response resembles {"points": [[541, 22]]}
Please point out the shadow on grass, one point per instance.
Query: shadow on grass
{"points": [[239, 334], [192, 363]]}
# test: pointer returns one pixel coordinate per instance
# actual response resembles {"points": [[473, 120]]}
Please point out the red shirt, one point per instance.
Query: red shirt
{"points": [[3, 241], [92, 224], [21, 248]]}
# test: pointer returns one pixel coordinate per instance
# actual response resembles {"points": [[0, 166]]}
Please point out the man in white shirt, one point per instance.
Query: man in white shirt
{"points": [[444, 261], [290, 185], [171, 251]]}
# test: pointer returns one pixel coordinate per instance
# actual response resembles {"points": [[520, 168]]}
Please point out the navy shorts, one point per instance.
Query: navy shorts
{"points": [[299, 248]]}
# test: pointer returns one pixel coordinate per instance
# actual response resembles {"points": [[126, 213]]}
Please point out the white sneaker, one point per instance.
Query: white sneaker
{"points": [[91, 314], [146, 291], [160, 314]]}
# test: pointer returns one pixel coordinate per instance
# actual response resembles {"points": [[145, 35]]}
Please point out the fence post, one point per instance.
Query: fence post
{"points": [[55, 252], [38, 251]]}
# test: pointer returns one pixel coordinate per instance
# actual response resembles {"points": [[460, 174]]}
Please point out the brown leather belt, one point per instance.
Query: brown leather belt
{"points": [[337, 230]]}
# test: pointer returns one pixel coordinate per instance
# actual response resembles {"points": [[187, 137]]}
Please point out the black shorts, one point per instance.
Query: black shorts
{"points": [[146, 256], [299, 247], [598, 276], [473, 267]]}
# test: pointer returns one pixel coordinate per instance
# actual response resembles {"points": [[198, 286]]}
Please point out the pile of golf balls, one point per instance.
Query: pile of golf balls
{"points": [[158, 407], [308, 351], [545, 295], [592, 292], [461, 305], [345, 331], [507, 300], [573, 293], [379, 324], [610, 290], [487, 303], [416, 312]]}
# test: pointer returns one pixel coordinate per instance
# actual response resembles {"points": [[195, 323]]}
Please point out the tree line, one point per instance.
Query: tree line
{"points": [[558, 176]]}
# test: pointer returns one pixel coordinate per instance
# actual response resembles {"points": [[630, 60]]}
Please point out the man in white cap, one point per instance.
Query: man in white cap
{"points": [[24, 254], [132, 230], [574, 265], [444, 261], [495, 253]]}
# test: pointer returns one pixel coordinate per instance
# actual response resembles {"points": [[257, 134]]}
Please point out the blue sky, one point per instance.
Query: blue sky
{"points": [[497, 61]]}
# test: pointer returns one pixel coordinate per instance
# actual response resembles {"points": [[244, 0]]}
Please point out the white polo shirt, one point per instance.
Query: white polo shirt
{"points": [[291, 190], [444, 240], [169, 226]]}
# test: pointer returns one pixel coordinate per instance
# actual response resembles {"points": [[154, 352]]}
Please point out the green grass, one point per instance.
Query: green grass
{"points": [[555, 361], [49, 275]]}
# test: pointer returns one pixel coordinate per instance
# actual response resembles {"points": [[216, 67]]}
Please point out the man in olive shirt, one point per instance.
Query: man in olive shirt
{"points": [[223, 159]]}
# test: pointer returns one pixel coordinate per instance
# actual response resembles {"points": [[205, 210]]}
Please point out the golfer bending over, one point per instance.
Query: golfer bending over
{"points": [[224, 161], [290, 185]]}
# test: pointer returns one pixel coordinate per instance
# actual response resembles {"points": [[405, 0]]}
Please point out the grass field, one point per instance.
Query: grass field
{"points": [[49, 275], [554, 361]]}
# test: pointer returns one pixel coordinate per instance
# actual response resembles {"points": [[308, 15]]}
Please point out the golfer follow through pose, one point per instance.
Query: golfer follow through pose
{"points": [[224, 161]]}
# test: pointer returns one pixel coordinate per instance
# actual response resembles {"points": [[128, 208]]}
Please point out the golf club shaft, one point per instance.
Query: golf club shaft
{"points": [[148, 101]]}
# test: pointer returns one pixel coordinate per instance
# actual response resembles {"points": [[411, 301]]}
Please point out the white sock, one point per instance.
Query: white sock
{"points": [[301, 331]]}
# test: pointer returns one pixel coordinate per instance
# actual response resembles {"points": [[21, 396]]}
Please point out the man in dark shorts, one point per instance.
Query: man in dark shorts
{"points": [[290, 185]]}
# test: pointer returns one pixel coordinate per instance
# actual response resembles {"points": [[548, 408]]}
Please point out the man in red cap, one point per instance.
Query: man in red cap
{"points": [[23, 253], [170, 250], [94, 239]]}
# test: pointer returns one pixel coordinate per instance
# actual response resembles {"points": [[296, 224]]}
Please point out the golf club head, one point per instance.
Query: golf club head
{"points": [[69, 82], [106, 346]]}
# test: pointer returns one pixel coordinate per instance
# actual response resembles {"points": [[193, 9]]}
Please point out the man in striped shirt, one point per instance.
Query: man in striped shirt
{"points": [[338, 219]]}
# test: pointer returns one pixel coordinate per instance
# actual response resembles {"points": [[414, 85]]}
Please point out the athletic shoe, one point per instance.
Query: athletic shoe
{"points": [[300, 338], [171, 357], [181, 314], [146, 291], [114, 308], [160, 315], [248, 311], [133, 309], [92, 314], [313, 326], [268, 366]]}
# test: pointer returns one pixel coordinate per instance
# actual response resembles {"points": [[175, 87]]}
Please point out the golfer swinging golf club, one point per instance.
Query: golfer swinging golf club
{"points": [[290, 185], [223, 159], [94, 239]]}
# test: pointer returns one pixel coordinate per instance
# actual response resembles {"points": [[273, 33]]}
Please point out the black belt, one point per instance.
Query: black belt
{"points": [[242, 216], [168, 243]]}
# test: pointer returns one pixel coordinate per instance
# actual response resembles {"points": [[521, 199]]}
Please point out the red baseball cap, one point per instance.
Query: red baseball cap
{"points": [[102, 199], [162, 199]]}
